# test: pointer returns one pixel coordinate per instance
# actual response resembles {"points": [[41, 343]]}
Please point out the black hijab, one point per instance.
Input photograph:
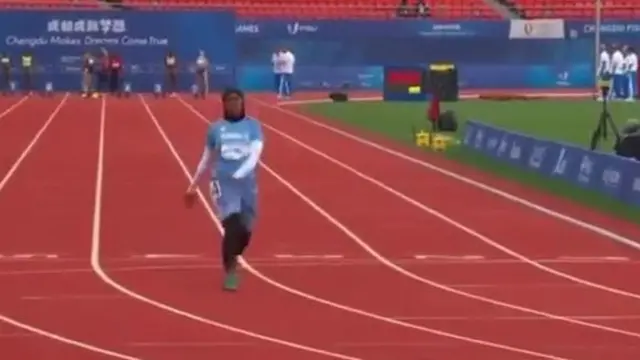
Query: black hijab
{"points": [[225, 95]]}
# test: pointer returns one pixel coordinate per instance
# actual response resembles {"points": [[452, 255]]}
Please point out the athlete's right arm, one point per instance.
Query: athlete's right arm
{"points": [[205, 159]]}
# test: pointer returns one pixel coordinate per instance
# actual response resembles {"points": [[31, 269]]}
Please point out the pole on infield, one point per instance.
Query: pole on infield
{"points": [[597, 21]]}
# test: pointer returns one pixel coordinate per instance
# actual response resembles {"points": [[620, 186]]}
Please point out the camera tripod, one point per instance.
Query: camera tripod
{"points": [[604, 123]]}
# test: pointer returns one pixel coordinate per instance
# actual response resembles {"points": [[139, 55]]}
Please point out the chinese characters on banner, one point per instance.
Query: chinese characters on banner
{"points": [[105, 26]]}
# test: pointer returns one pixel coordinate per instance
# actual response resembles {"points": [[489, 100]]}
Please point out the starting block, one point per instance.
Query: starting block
{"points": [[437, 142]]}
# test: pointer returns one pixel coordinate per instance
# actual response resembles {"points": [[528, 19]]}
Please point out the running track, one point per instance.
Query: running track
{"points": [[99, 259]]}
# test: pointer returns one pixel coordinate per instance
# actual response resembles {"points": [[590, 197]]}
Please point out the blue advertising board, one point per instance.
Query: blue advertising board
{"points": [[329, 53], [58, 40], [609, 174], [358, 29], [338, 51]]}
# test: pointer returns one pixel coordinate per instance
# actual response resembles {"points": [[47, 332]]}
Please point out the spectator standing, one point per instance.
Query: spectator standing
{"points": [[619, 73], [103, 73], [202, 74], [604, 68], [171, 68], [404, 9], [115, 73], [631, 65], [27, 72], [276, 61], [422, 9], [88, 73], [5, 65], [286, 80]]}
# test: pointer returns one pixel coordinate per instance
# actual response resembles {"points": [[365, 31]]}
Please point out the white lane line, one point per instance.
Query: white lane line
{"points": [[13, 106], [25, 326], [359, 241], [178, 344], [33, 142], [464, 179], [518, 318], [96, 264]]}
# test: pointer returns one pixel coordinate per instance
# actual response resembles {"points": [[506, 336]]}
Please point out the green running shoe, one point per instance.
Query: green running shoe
{"points": [[231, 281]]}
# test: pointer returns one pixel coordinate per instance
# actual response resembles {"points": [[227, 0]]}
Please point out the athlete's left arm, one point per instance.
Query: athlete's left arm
{"points": [[255, 151]]}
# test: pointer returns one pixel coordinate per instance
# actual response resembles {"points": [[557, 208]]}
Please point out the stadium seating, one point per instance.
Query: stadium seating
{"points": [[452, 9], [367, 9], [310, 9], [49, 4], [572, 9]]}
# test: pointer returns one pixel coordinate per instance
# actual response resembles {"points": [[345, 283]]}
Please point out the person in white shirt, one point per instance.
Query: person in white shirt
{"points": [[619, 73], [202, 74], [288, 61], [277, 69], [631, 66], [604, 66]]}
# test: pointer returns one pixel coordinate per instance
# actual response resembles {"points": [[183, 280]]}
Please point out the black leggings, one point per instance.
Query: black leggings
{"points": [[27, 80], [102, 81], [114, 81], [172, 80], [6, 80], [235, 240]]}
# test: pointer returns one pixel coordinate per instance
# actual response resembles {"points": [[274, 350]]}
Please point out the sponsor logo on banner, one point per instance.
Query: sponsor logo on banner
{"points": [[536, 29], [537, 156], [561, 164], [296, 27], [605, 173], [613, 28], [504, 145], [247, 29], [563, 79], [478, 140], [492, 143], [446, 29], [516, 151], [586, 169], [611, 177], [468, 135], [636, 185]]}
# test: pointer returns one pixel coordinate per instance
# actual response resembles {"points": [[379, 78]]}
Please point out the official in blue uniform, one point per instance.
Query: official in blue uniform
{"points": [[233, 148]]}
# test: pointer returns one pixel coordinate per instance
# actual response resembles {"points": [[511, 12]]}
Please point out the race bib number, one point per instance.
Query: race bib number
{"points": [[233, 151]]}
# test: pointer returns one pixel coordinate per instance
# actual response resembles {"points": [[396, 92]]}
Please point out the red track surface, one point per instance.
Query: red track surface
{"points": [[376, 301]]}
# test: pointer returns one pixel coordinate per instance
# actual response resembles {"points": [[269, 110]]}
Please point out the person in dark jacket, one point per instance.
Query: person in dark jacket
{"points": [[631, 127], [102, 73], [171, 68], [115, 73], [629, 144], [27, 72], [5, 68]]}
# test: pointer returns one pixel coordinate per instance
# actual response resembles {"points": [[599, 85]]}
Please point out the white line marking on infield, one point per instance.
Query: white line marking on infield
{"points": [[167, 256], [27, 256], [308, 256], [449, 257], [517, 318], [593, 258], [190, 344]]}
